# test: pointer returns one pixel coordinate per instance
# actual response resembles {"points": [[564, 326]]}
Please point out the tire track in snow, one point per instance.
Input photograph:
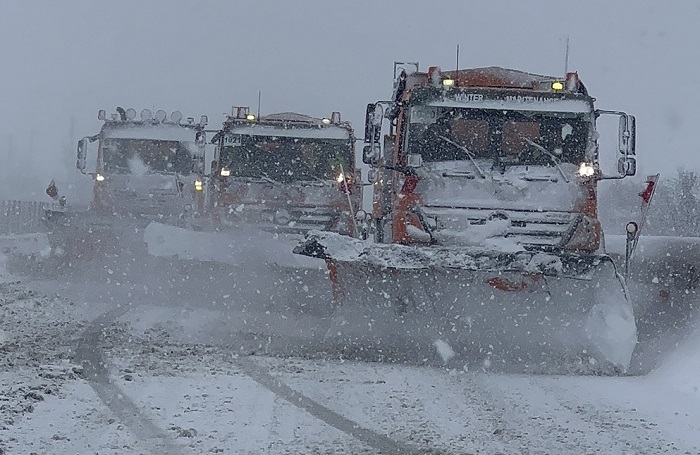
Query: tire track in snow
{"points": [[384, 444], [90, 355]]}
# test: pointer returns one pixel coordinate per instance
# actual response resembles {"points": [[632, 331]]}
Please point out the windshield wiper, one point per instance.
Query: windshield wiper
{"points": [[469, 154], [324, 182], [551, 155], [269, 180]]}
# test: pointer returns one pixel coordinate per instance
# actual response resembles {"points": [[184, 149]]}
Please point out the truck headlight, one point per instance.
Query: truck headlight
{"points": [[586, 170]]}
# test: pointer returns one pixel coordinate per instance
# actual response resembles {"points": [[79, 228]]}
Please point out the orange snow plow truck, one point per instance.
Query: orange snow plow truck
{"points": [[487, 244], [273, 178], [142, 169]]}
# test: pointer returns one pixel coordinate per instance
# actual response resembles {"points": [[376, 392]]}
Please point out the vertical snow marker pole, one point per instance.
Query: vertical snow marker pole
{"points": [[632, 230], [647, 195], [346, 190]]}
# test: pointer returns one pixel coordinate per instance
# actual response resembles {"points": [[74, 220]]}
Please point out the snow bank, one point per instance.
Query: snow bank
{"points": [[656, 247]]}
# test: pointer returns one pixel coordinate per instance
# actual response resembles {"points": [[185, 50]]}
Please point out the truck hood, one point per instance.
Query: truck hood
{"points": [[528, 205], [536, 188]]}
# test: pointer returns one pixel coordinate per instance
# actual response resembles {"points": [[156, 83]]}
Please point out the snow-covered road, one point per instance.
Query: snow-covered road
{"points": [[116, 369]]}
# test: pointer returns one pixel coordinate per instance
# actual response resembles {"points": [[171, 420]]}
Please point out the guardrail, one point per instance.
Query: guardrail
{"points": [[22, 217]]}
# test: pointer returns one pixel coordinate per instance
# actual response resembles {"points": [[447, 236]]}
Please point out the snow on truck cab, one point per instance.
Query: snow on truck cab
{"points": [[285, 172], [143, 169], [471, 148], [486, 234], [152, 167]]}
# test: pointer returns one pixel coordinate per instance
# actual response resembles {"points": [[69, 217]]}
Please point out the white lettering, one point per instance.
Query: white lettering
{"points": [[233, 140], [529, 99], [469, 97]]}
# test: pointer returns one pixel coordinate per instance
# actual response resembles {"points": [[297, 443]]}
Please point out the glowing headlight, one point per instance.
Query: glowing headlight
{"points": [[586, 170], [198, 185], [99, 177], [448, 82], [557, 85], [225, 172]]}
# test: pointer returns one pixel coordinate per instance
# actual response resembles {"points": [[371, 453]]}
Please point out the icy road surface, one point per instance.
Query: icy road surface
{"points": [[109, 371]]}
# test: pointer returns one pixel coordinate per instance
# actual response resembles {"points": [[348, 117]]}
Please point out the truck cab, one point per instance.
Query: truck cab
{"points": [[150, 168], [285, 172], [484, 155]]}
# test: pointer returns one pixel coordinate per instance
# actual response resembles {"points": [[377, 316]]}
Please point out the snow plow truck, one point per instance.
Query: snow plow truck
{"points": [[486, 242], [144, 169], [273, 178], [286, 172]]}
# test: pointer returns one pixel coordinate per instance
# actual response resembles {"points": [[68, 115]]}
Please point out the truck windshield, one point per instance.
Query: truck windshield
{"points": [[286, 159], [511, 137], [142, 156]]}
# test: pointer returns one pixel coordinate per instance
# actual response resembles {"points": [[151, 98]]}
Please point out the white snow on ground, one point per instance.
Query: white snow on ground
{"points": [[213, 399], [681, 369], [37, 244], [37, 335]]}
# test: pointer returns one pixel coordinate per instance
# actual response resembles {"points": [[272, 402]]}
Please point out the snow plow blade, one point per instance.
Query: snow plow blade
{"points": [[512, 311], [247, 264], [241, 247], [82, 236]]}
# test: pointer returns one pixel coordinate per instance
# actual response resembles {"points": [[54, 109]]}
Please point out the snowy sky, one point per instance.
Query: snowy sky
{"points": [[64, 60]]}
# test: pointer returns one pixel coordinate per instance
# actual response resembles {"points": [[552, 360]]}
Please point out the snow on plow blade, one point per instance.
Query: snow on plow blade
{"points": [[521, 310]]}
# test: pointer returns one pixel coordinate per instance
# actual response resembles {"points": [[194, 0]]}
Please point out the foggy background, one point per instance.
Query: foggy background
{"points": [[62, 61]]}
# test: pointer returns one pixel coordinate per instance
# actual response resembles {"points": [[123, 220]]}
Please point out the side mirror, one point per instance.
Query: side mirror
{"points": [[369, 123], [369, 155], [627, 165], [627, 132], [82, 154], [414, 160], [373, 123], [371, 175]]}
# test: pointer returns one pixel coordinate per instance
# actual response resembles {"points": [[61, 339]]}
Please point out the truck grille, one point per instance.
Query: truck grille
{"points": [[546, 229]]}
